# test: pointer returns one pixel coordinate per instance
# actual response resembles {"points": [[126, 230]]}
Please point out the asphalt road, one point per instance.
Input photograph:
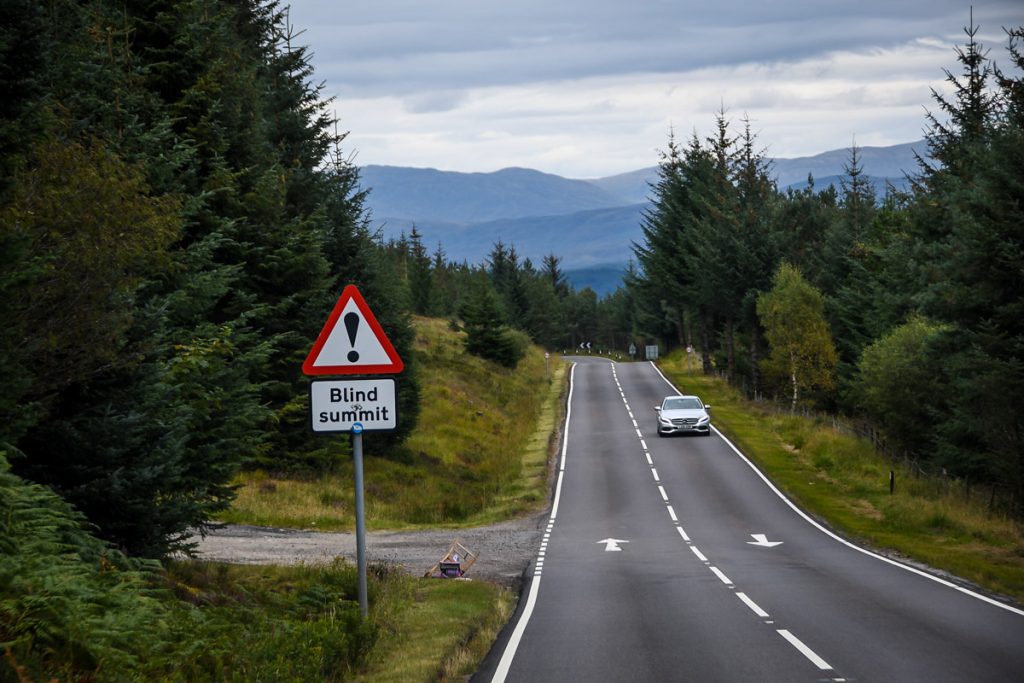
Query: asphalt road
{"points": [[674, 559]]}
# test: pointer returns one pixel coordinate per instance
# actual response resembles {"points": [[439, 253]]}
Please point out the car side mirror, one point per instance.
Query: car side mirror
{"points": [[707, 407], [657, 409]]}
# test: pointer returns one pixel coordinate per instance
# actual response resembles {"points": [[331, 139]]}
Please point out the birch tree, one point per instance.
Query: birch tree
{"points": [[793, 316]]}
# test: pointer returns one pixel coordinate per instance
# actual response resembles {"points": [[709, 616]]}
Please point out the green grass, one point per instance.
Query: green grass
{"points": [[841, 479], [440, 632], [479, 453], [301, 623]]}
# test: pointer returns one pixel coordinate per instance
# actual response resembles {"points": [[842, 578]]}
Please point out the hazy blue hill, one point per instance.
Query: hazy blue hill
{"points": [[603, 279], [633, 187], [422, 194], [881, 163], [881, 185], [878, 162], [590, 224], [581, 239]]}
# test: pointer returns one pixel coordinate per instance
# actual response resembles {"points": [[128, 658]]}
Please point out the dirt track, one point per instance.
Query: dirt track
{"points": [[504, 550]]}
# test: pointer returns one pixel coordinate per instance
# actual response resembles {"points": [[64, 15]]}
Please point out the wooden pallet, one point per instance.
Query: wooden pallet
{"points": [[454, 564]]}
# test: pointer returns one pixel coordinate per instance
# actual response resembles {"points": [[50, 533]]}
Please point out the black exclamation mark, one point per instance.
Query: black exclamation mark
{"points": [[352, 326]]}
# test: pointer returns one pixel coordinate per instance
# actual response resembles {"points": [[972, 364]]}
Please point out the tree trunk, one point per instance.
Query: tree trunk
{"points": [[755, 364], [730, 351], [705, 345], [792, 377]]}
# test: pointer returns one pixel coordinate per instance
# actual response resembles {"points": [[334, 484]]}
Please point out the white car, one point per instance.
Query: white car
{"points": [[683, 415]]}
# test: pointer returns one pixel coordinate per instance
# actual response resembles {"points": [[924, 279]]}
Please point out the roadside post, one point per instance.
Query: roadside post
{"points": [[357, 456], [352, 342]]}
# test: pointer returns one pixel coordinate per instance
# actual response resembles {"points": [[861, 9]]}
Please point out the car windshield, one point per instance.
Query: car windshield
{"points": [[682, 403]]}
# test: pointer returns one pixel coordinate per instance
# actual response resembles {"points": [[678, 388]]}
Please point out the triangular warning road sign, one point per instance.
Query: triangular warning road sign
{"points": [[352, 342]]}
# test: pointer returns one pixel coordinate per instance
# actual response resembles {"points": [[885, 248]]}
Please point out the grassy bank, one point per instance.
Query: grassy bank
{"points": [[479, 453], [842, 480]]}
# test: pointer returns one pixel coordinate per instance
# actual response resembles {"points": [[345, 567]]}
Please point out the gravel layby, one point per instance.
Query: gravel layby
{"points": [[504, 550]]}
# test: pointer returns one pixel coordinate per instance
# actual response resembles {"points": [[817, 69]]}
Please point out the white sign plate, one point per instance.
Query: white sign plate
{"points": [[336, 405]]}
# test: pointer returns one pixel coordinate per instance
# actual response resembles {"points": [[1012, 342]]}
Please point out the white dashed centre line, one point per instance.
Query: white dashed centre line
{"points": [[752, 605], [804, 650], [722, 577]]}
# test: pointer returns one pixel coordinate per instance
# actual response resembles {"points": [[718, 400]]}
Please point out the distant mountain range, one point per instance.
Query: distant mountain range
{"points": [[590, 224]]}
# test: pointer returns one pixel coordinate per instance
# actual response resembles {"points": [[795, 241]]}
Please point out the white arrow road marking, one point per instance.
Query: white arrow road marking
{"points": [[762, 541], [612, 545]]}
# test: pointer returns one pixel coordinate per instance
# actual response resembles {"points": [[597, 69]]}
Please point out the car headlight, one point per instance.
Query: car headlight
{"points": [[704, 420], [664, 420]]}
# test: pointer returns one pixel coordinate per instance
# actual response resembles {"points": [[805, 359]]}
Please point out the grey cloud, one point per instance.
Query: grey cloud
{"points": [[428, 102], [402, 47]]}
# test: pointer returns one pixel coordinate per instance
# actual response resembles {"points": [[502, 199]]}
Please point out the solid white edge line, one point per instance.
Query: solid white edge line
{"points": [[840, 539], [501, 672], [752, 605], [804, 650], [513, 642], [565, 445]]}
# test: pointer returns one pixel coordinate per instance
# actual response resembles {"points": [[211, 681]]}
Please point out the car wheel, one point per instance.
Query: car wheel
{"points": [[708, 433], [660, 434]]}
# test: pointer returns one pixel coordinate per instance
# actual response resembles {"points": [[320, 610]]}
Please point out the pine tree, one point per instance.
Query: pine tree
{"points": [[668, 285], [848, 252], [487, 333], [420, 280]]}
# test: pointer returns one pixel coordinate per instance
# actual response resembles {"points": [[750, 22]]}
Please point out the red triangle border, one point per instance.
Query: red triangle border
{"points": [[351, 292]]}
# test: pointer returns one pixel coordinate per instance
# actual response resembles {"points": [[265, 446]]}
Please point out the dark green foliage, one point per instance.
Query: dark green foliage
{"points": [[148, 456], [487, 333], [22, 55], [972, 274], [69, 605], [71, 608], [900, 386], [177, 224]]}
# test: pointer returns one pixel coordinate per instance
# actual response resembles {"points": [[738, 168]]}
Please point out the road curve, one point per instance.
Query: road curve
{"points": [[675, 559]]}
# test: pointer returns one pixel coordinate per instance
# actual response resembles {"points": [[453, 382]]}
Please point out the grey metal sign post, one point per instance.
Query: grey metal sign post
{"points": [[357, 455]]}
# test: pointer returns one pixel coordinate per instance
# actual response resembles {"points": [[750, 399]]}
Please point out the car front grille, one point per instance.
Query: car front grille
{"points": [[683, 421]]}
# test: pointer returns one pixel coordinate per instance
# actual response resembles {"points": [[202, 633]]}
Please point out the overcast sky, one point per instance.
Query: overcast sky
{"points": [[590, 88]]}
